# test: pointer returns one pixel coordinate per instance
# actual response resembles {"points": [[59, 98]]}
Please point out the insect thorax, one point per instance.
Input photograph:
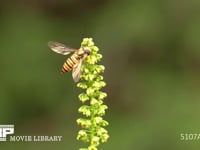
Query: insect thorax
{"points": [[81, 53]]}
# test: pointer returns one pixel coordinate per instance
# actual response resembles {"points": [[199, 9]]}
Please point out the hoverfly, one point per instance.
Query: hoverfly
{"points": [[74, 62]]}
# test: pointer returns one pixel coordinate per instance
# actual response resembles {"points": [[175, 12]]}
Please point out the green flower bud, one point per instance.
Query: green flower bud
{"points": [[85, 110], [102, 110], [104, 138], [99, 78], [100, 68], [102, 95], [98, 57], [82, 85], [101, 131], [83, 97], [86, 123], [92, 147], [95, 140], [95, 49], [94, 101], [90, 91], [82, 135], [104, 123], [98, 120]]}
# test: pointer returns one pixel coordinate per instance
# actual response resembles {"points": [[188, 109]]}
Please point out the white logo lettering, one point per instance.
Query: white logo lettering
{"points": [[6, 130]]}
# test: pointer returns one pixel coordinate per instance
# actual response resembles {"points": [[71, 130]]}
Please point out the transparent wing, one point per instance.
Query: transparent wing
{"points": [[60, 48], [76, 72]]}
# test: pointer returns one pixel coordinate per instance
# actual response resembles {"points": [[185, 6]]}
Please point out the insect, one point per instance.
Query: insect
{"points": [[74, 62]]}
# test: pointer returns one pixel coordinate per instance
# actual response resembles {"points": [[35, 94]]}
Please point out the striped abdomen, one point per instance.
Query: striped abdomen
{"points": [[70, 62]]}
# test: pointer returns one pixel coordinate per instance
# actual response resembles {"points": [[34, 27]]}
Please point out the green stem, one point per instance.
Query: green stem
{"points": [[92, 124]]}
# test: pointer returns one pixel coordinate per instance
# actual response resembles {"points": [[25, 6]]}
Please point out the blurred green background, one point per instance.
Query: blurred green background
{"points": [[151, 51]]}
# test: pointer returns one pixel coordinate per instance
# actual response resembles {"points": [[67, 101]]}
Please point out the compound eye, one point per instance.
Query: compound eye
{"points": [[87, 50]]}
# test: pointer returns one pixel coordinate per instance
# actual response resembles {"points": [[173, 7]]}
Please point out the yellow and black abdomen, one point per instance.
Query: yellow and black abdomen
{"points": [[70, 63]]}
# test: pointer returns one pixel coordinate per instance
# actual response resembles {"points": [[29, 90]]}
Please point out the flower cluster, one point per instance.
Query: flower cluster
{"points": [[93, 107]]}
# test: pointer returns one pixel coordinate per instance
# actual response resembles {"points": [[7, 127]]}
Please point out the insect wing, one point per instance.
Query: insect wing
{"points": [[60, 48], [76, 72]]}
